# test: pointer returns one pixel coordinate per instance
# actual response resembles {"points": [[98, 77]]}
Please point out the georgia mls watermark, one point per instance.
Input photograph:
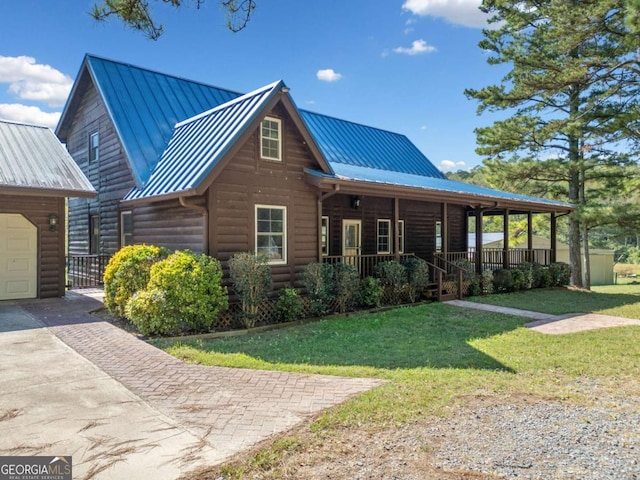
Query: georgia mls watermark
{"points": [[35, 468]]}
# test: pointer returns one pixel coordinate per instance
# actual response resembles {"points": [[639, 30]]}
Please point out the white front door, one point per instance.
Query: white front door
{"points": [[18, 257], [351, 238]]}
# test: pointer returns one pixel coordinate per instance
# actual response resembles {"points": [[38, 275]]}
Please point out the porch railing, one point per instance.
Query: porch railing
{"points": [[494, 258], [366, 264], [86, 270]]}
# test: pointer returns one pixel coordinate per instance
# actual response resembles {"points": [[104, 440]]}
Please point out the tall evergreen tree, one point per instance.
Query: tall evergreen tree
{"points": [[572, 96]]}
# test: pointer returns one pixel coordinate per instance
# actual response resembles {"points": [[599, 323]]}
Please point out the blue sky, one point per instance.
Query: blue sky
{"points": [[400, 65]]}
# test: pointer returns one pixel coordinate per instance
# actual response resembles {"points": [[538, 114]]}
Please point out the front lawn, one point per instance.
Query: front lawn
{"points": [[617, 300]]}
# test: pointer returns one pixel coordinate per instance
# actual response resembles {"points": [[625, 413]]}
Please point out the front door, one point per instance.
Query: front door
{"points": [[351, 240]]}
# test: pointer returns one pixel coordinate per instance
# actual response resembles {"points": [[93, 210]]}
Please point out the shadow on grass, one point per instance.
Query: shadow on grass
{"points": [[433, 336]]}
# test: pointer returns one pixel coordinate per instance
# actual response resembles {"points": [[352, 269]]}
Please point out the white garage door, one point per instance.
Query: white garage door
{"points": [[18, 257]]}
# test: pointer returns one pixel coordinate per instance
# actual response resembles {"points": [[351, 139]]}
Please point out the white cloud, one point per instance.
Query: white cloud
{"points": [[28, 114], [29, 80], [449, 165], [423, 127], [417, 47], [328, 75], [460, 12]]}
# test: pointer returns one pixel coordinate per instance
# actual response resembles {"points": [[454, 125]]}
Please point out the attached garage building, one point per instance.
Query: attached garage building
{"points": [[36, 175]]}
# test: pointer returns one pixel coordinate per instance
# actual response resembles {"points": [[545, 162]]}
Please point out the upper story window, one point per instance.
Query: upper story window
{"points": [[271, 139], [94, 145], [384, 236], [126, 228], [271, 232], [324, 235]]}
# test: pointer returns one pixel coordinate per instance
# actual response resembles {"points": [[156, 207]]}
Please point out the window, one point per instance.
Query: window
{"points": [[384, 236], [438, 236], [126, 228], [270, 139], [94, 234], [271, 232], [324, 235], [401, 236], [94, 143]]}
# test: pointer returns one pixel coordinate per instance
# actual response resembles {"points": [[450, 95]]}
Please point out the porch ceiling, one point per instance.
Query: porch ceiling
{"points": [[367, 181]]}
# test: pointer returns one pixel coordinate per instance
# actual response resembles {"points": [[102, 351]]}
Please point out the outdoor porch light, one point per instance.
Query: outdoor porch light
{"points": [[53, 222], [355, 202]]}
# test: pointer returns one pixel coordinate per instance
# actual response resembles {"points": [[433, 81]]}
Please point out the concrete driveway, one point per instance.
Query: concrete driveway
{"points": [[75, 385]]}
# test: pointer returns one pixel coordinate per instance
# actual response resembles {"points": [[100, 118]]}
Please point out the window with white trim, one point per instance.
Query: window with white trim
{"points": [[438, 236], [324, 235], [126, 228], [401, 236], [94, 147], [384, 236], [271, 139], [271, 232]]}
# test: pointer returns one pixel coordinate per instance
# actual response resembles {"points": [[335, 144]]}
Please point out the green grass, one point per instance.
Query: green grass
{"points": [[617, 300], [435, 356]]}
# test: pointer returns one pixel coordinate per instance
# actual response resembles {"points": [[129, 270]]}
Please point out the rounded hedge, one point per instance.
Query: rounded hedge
{"points": [[127, 272]]}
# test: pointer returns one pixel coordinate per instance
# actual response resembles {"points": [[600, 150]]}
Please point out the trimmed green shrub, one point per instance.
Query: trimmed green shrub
{"points": [[502, 281], [560, 274], [417, 277], [371, 291], [475, 287], [289, 305], [393, 276], [251, 277], [527, 271], [487, 282], [346, 280], [317, 278], [541, 277], [127, 272], [518, 279], [184, 294], [469, 268]]}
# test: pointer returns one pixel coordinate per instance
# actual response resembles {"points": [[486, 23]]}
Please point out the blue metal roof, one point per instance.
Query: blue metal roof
{"points": [[199, 143], [372, 175], [350, 143], [145, 105]]}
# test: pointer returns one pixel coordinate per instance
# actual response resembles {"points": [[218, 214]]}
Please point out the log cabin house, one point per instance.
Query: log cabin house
{"points": [[183, 164]]}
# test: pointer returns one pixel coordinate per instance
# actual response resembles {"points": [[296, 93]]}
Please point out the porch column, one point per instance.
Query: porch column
{"points": [[445, 230], [554, 240], [529, 237], [505, 240], [396, 227], [479, 248]]}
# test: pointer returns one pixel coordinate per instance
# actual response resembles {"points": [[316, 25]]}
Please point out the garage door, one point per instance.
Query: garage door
{"points": [[18, 257]]}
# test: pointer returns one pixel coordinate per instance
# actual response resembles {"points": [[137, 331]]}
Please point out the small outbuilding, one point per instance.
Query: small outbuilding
{"points": [[36, 175]]}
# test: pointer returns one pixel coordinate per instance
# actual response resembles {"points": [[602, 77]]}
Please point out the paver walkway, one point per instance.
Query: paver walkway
{"points": [[228, 409], [553, 324]]}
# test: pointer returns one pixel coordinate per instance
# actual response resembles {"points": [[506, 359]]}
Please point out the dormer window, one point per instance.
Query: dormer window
{"points": [[271, 139]]}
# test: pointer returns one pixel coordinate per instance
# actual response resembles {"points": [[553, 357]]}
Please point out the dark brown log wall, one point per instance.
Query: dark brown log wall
{"points": [[51, 254]]}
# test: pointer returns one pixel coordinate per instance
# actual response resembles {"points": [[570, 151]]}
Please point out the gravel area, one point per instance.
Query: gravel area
{"points": [[542, 441]]}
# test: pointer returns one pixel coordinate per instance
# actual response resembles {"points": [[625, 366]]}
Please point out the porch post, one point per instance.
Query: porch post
{"points": [[529, 236], [505, 240], [479, 248], [396, 227], [445, 230], [554, 240]]}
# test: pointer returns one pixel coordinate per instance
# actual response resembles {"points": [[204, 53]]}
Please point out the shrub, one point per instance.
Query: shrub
{"points": [[393, 276], [541, 277], [527, 271], [289, 305], [502, 281], [318, 280], [346, 281], [371, 292], [487, 282], [475, 287], [469, 268], [518, 279], [560, 274], [127, 272], [251, 277], [184, 294], [417, 277]]}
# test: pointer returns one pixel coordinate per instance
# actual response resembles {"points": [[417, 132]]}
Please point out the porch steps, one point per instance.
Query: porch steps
{"points": [[431, 292]]}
